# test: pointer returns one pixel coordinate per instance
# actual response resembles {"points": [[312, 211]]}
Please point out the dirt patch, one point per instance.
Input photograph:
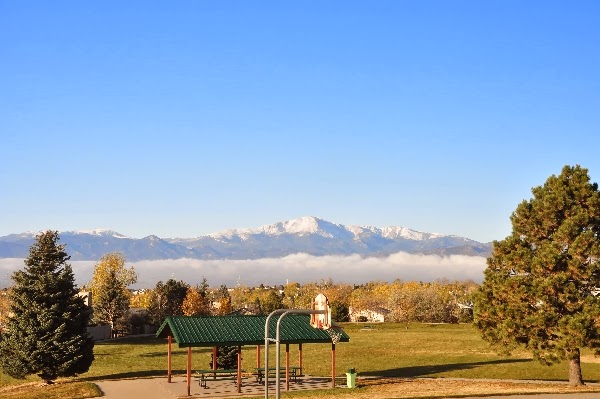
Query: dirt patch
{"points": [[431, 388], [590, 359]]}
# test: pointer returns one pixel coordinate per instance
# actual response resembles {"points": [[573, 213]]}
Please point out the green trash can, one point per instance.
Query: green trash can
{"points": [[351, 378]]}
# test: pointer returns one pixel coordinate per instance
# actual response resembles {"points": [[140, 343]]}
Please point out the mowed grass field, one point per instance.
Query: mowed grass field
{"points": [[384, 350]]}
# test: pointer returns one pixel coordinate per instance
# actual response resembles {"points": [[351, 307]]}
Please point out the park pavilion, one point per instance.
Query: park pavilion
{"points": [[238, 331]]}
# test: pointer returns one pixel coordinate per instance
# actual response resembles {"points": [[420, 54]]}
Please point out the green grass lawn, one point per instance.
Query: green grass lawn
{"points": [[390, 350]]}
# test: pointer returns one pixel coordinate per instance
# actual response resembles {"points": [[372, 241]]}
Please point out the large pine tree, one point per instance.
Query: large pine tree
{"points": [[46, 332], [540, 281]]}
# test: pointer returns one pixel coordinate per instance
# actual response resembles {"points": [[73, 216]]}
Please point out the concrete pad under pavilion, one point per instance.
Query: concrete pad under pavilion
{"points": [[160, 388]]}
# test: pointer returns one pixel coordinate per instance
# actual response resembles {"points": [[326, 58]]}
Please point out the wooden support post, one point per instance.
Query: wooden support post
{"points": [[189, 369], [332, 365], [257, 356], [300, 358], [239, 370], [169, 354], [214, 365], [287, 367]]}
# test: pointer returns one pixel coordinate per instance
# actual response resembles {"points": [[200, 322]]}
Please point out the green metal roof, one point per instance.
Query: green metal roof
{"points": [[241, 330]]}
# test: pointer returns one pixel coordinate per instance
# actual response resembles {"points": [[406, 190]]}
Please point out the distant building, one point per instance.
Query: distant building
{"points": [[375, 315], [245, 311], [87, 297]]}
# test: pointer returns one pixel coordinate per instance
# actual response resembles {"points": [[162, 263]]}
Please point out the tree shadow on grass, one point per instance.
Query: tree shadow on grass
{"points": [[195, 351], [143, 340], [419, 371], [133, 374]]}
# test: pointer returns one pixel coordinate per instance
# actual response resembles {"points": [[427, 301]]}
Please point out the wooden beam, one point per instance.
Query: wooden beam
{"points": [[214, 365], [257, 356], [169, 354], [332, 365], [239, 370], [189, 369], [287, 367], [300, 357]]}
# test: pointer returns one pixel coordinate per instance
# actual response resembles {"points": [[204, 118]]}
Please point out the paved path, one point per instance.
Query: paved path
{"points": [[546, 396], [158, 388], [146, 388]]}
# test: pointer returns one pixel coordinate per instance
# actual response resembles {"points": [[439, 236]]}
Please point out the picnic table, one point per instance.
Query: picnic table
{"points": [[224, 374], [295, 372]]}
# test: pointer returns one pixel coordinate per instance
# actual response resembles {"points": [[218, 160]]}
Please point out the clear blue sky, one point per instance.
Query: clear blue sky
{"points": [[189, 117]]}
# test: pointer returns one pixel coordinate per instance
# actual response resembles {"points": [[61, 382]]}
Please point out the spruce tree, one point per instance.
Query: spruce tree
{"points": [[167, 300], [227, 357], [539, 282], [46, 333]]}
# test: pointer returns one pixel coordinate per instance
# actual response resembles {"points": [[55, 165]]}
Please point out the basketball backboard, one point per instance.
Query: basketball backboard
{"points": [[321, 321]]}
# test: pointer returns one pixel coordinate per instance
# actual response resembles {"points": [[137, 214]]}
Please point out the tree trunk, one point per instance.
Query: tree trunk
{"points": [[575, 377]]}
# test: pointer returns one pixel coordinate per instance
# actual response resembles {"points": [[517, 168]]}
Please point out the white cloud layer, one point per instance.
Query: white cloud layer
{"points": [[300, 268]]}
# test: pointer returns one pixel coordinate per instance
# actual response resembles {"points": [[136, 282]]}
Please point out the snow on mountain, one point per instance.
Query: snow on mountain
{"points": [[29, 235], [317, 236], [309, 234], [100, 232], [394, 232], [308, 225]]}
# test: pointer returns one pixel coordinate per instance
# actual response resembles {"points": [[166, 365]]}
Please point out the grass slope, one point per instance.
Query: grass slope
{"points": [[388, 350]]}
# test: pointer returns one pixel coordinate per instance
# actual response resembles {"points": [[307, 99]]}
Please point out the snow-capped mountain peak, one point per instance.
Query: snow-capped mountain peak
{"points": [[100, 232], [300, 226], [306, 225], [310, 235], [394, 232]]}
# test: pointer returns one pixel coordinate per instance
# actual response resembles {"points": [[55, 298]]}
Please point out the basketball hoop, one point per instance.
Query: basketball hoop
{"points": [[335, 333], [321, 321]]}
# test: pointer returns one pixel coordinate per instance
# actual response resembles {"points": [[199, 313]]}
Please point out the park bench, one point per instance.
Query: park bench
{"points": [[223, 374], [295, 372]]}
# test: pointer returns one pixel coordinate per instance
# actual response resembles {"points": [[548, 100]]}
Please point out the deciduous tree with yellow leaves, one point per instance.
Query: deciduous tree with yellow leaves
{"points": [[110, 297], [196, 302]]}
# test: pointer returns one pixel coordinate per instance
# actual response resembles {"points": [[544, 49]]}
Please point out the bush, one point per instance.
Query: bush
{"points": [[133, 322]]}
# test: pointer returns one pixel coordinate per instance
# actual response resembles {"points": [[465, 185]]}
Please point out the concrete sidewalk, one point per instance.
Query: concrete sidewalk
{"points": [[146, 388], [159, 388]]}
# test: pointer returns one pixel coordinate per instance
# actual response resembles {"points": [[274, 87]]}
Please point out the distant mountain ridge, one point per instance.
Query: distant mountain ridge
{"points": [[308, 234]]}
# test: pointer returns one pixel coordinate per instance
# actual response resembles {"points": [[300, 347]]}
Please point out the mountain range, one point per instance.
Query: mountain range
{"points": [[310, 235]]}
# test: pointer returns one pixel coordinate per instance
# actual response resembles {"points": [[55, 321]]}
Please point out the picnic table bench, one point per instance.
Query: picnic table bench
{"points": [[225, 374], [295, 372]]}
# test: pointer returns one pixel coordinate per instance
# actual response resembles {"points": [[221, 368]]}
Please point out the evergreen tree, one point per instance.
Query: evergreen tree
{"points": [[167, 299], [226, 357], [339, 311], [46, 332], [538, 282], [110, 297]]}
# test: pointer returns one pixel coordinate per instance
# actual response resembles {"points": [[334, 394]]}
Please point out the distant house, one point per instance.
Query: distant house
{"points": [[375, 315], [245, 311], [87, 297]]}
